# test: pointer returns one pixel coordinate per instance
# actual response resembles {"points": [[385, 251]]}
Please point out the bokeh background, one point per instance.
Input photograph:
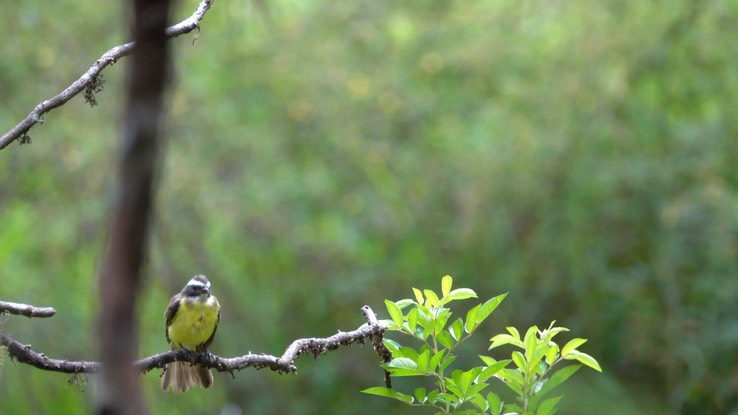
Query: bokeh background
{"points": [[324, 155]]}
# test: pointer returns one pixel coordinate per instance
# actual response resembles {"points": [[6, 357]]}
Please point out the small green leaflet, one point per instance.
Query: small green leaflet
{"points": [[583, 358], [394, 312], [459, 294], [489, 306], [446, 283], [547, 407], [572, 345], [390, 393]]}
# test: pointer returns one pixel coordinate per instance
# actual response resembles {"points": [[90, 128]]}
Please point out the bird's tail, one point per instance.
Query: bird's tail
{"points": [[181, 376]]}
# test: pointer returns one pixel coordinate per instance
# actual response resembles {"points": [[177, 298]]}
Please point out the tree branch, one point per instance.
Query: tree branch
{"points": [[373, 331], [90, 78], [23, 353], [26, 310]]}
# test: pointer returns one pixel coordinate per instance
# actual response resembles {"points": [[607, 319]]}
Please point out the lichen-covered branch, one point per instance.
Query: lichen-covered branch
{"points": [[26, 310], [91, 78], [372, 331]]}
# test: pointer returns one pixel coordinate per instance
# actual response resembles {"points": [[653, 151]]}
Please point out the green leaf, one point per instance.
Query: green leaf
{"points": [[530, 340], [519, 360], [502, 339], [396, 372], [452, 387], [412, 320], [456, 375], [424, 334], [420, 395], [547, 407], [559, 377], [488, 307], [418, 295], [489, 361], [492, 369], [538, 385], [424, 314], [479, 401], [465, 381], [389, 393], [424, 321], [471, 319], [402, 363], [514, 332], [572, 345], [423, 359], [513, 379], [431, 299], [459, 294], [535, 358], [583, 358], [394, 312], [407, 352], [404, 303], [552, 353], [446, 362], [441, 321], [456, 329], [446, 283], [495, 404], [515, 410], [436, 359], [512, 376], [550, 333], [445, 339], [447, 398], [474, 389], [391, 345]]}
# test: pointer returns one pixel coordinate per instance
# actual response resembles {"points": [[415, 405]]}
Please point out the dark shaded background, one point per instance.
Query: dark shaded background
{"points": [[326, 155]]}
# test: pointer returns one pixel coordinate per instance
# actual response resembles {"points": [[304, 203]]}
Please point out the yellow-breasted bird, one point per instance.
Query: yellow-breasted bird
{"points": [[191, 320]]}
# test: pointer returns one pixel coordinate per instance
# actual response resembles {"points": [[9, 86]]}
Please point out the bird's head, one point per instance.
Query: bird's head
{"points": [[197, 286]]}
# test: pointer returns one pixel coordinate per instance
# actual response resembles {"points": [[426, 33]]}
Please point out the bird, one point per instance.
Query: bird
{"points": [[192, 318]]}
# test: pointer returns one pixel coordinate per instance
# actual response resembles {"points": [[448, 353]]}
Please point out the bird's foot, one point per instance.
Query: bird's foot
{"points": [[209, 356]]}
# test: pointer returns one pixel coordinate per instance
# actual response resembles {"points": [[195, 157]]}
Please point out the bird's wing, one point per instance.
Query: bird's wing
{"points": [[170, 312]]}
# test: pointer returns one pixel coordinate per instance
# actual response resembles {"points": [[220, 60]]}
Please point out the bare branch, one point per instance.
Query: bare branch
{"points": [[373, 330], [26, 310], [24, 354], [92, 75]]}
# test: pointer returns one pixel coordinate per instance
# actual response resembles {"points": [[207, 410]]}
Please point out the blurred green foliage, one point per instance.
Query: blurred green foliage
{"points": [[325, 155]]}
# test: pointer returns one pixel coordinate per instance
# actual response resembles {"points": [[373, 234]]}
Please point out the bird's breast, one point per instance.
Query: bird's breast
{"points": [[194, 322]]}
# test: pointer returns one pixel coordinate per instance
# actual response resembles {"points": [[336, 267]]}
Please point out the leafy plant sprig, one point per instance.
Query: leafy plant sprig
{"points": [[533, 376], [427, 321]]}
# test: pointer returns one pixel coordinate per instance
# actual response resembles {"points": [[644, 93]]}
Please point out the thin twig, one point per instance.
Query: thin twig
{"points": [[372, 330], [108, 58], [26, 309]]}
